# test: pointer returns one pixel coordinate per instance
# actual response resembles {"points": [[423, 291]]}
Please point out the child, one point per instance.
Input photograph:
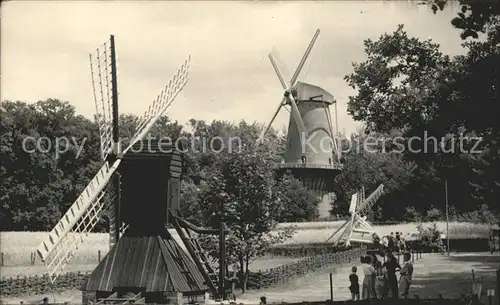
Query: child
{"points": [[354, 288]]}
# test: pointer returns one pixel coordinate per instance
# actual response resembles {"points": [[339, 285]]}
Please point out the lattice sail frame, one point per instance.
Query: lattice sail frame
{"points": [[58, 248], [100, 71], [162, 101], [357, 223]]}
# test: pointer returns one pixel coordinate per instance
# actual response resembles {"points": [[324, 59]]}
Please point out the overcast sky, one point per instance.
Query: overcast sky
{"points": [[45, 47]]}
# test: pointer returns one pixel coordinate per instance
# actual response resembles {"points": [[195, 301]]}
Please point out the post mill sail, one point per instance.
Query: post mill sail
{"points": [[150, 185]]}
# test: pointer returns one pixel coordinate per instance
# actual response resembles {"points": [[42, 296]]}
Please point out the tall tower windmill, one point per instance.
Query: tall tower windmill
{"points": [[312, 152], [139, 188]]}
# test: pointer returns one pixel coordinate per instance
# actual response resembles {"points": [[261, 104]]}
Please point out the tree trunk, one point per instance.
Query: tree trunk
{"points": [[242, 274], [247, 273]]}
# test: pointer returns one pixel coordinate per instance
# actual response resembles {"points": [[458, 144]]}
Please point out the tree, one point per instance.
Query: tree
{"points": [[244, 185], [395, 85], [409, 86], [189, 204], [369, 163], [40, 181], [473, 16], [298, 203]]}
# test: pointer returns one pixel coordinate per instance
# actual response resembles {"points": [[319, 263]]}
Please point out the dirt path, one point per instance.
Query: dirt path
{"points": [[434, 274]]}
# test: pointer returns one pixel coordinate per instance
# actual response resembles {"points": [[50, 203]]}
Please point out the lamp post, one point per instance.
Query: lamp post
{"points": [[222, 254]]}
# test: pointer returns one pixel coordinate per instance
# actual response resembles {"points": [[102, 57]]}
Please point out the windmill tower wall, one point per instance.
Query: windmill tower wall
{"points": [[316, 146], [311, 156]]}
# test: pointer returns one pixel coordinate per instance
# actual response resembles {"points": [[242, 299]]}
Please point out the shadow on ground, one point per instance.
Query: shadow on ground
{"points": [[493, 259], [454, 282]]}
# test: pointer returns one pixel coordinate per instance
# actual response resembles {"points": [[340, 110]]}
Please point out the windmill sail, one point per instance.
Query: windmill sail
{"points": [[100, 71], [58, 248], [357, 223], [365, 205], [162, 102]]}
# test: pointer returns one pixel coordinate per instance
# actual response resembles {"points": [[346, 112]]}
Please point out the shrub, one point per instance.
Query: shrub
{"points": [[434, 214], [483, 215], [430, 237], [411, 214]]}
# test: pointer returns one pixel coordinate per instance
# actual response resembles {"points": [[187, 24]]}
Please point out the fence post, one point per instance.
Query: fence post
{"points": [[331, 286], [287, 277], [1, 259], [498, 286], [99, 256]]}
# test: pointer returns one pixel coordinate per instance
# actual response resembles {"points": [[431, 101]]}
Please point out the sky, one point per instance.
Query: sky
{"points": [[45, 50]]}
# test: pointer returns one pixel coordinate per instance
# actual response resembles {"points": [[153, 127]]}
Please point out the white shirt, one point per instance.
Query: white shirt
{"points": [[368, 269]]}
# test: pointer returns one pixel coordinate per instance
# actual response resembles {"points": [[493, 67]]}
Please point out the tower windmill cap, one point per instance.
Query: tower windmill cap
{"points": [[307, 92]]}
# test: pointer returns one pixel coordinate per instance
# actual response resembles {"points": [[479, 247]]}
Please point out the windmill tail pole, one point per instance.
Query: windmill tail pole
{"points": [[115, 233], [222, 255], [114, 92]]}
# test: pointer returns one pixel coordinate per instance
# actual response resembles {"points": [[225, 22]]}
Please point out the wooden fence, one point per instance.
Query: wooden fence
{"points": [[38, 285], [282, 274], [14, 286], [415, 301]]}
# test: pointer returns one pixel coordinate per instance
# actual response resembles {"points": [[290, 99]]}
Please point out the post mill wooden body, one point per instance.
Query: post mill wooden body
{"points": [[312, 153], [138, 188], [146, 259]]}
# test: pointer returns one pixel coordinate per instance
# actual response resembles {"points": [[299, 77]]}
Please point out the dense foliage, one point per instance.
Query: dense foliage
{"points": [[445, 109], [405, 89]]}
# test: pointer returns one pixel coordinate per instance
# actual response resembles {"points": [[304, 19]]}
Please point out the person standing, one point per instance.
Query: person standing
{"points": [[406, 276], [390, 243], [374, 260], [380, 281], [392, 266], [368, 291], [398, 243], [354, 287]]}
